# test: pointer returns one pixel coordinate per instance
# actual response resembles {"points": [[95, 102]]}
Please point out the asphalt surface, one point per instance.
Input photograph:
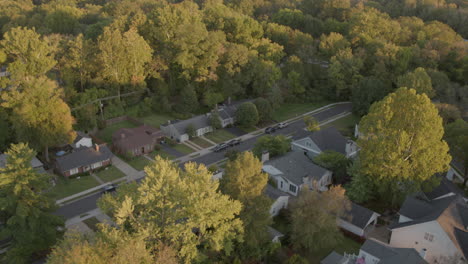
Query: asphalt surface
{"points": [[87, 204]]}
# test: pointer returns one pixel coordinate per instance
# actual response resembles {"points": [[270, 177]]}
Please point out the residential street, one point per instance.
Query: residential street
{"points": [[87, 204]]}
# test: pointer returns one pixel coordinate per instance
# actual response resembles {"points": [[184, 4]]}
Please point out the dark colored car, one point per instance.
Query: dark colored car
{"points": [[270, 130], [220, 147], [234, 142], [109, 188]]}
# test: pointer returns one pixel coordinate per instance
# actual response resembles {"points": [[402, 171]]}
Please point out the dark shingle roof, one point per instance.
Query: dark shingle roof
{"points": [[463, 211], [295, 166], [358, 215], [83, 157], [197, 122], [130, 138], [333, 258], [390, 255], [330, 139], [273, 192], [274, 233], [462, 238], [424, 211], [445, 187]]}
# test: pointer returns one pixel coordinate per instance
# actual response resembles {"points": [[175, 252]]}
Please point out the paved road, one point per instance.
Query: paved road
{"points": [[89, 203]]}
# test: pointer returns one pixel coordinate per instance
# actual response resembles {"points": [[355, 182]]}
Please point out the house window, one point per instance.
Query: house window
{"points": [[429, 237], [96, 165], [292, 188], [74, 171], [281, 184]]}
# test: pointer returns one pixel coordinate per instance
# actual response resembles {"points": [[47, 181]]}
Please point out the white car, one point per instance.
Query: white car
{"points": [[282, 125]]}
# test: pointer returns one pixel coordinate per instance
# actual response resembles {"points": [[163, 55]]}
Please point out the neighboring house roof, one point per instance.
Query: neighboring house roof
{"points": [[294, 166], [462, 238], [446, 187], [227, 111], [358, 215], [326, 139], [449, 212], [83, 157], [35, 162], [273, 192], [130, 138], [198, 122], [274, 233], [333, 258], [391, 255]]}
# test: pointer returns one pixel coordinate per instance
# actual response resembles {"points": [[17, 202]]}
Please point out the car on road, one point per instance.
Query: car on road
{"points": [[282, 125], [270, 130], [234, 142], [109, 188], [220, 147]]}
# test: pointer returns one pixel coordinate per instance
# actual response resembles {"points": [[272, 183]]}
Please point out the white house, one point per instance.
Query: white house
{"points": [[326, 139], [437, 227], [373, 252], [177, 129], [280, 199], [295, 170], [358, 220], [82, 140]]}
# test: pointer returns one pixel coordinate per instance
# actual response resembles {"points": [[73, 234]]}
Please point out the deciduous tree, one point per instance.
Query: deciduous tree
{"points": [[418, 80], [456, 135], [275, 145], [334, 161], [311, 123], [247, 115]]}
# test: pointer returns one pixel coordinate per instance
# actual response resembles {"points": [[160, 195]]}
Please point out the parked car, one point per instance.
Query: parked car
{"points": [[109, 188], [283, 125], [234, 142], [270, 130], [220, 147]]}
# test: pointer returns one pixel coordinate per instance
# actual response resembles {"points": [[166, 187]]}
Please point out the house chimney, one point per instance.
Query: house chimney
{"points": [[422, 253], [265, 156], [96, 147]]}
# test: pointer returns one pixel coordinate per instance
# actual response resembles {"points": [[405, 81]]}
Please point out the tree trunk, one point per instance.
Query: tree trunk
{"points": [[46, 153]]}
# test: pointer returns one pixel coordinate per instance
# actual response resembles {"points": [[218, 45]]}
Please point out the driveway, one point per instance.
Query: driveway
{"points": [[235, 131], [171, 151]]}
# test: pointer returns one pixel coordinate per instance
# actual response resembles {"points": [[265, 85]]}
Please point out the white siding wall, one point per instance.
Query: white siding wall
{"points": [[350, 227], [84, 142], [183, 137], [280, 203], [413, 237]]}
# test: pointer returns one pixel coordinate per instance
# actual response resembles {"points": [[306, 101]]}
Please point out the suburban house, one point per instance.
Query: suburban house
{"points": [[177, 129], [227, 112], [294, 170], [136, 141], [358, 220], [83, 160], [437, 227], [325, 139], [280, 199], [275, 235], [375, 252], [82, 140], [35, 163]]}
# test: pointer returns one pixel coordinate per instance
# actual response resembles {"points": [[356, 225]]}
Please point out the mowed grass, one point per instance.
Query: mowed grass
{"points": [[161, 153], [201, 142], [155, 120], [106, 133], [345, 125], [110, 174], [138, 163], [67, 187], [347, 245], [183, 148], [290, 110], [219, 136]]}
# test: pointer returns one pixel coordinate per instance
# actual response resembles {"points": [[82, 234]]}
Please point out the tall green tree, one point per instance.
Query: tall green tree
{"points": [[456, 134], [311, 123], [180, 208], [418, 80], [275, 145], [25, 210], [264, 108], [244, 181], [247, 115], [31, 54], [334, 161], [313, 218], [188, 100], [39, 115], [368, 91], [361, 188], [402, 142], [344, 73]]}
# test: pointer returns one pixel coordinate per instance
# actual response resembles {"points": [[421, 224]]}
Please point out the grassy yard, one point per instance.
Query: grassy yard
{"points": [[219, 136], [183, 149], [109, 174], [287, 111], [161, 153], [201, 142], [92, 223], [155, 120], [106, 133], [67, 187], [138, 163], [347, 245], [345, 125]]}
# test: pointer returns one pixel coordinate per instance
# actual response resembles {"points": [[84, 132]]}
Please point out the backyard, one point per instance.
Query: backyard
{"points": [[161, 153], [110, 173], [155, 120], [219, 136], [67, 187], [106, 133], [290, 110]]}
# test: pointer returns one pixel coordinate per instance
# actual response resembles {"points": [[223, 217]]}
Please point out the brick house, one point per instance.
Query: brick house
{"points": [[83, 160], [136, 141]]}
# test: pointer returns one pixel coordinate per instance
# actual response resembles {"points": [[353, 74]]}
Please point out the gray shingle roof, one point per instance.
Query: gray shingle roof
{"points": [[425, 211], [295, 166], [198, 122], [274, 233], [333, 258], [83, 157], [329, 139], [462, 238], [445, 187], [273, 192], [358, 215], [390, 255]]}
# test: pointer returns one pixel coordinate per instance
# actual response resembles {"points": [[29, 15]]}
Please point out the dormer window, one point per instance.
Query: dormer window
{"points": [[429, 237]]}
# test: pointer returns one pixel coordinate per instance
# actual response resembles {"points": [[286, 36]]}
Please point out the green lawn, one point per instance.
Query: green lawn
{"points": [[92, 223], [183, 149], [155, 120], [347, 245], [201, 142], [109, 174], [67, 187], [139, 163], [106, 133], [161, 153], [345, 125], [287, 111], [219, 136]]}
